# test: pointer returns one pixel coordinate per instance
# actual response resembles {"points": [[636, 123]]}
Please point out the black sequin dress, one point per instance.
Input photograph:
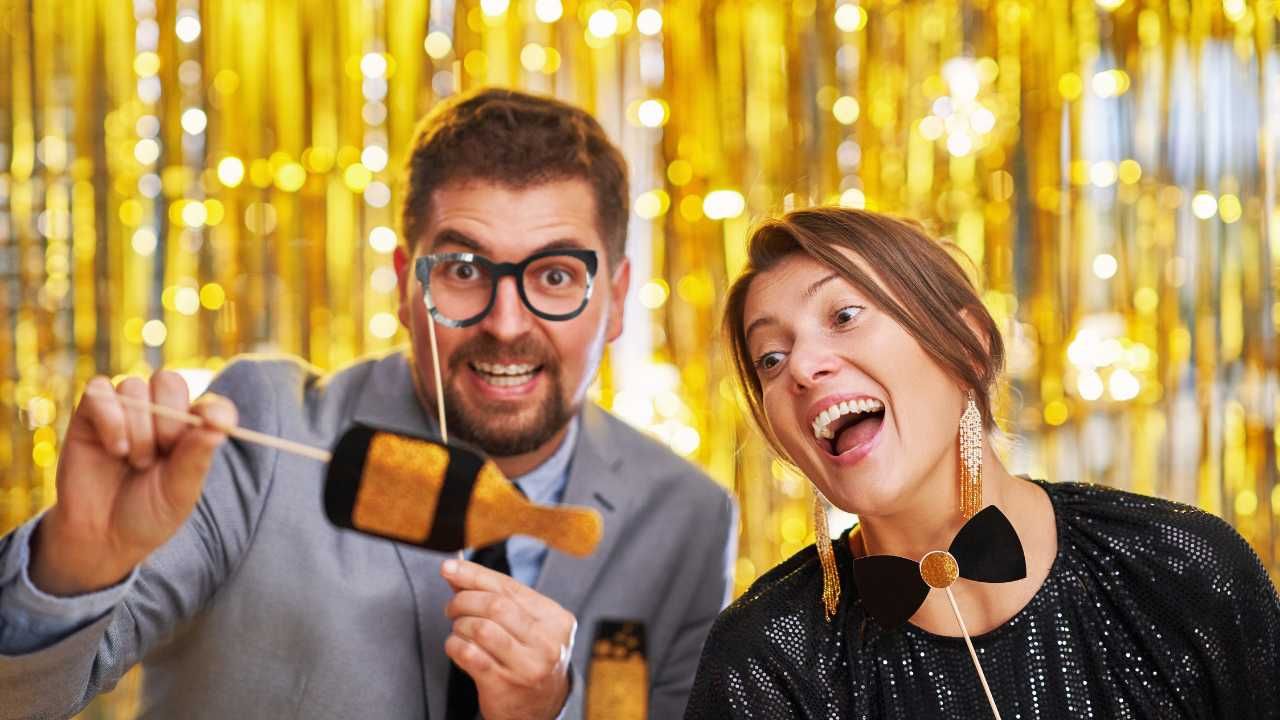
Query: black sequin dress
{"points": [[1151, 610]]}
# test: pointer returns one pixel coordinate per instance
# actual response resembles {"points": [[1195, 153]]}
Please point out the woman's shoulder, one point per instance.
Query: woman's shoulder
{"points": [[781, 590], [762, 657], [1163, 539]]}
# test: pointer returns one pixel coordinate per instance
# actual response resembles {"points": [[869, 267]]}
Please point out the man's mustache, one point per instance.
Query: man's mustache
{"points": [[486, 347]]}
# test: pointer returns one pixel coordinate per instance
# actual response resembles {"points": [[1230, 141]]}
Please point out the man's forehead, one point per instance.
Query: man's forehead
{"points": [[499, 219]]}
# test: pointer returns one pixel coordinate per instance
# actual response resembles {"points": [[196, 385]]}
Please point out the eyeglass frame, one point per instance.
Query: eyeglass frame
{"points": [[423, 265]]}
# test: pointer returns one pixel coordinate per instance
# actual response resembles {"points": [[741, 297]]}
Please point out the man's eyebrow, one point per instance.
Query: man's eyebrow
{"points": [[562, 244], [455, 237]]}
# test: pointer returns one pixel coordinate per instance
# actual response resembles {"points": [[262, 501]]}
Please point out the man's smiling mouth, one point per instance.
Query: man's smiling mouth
{"points": [[505, 374]]}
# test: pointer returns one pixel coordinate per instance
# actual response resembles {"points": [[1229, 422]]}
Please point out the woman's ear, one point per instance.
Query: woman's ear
{"points": [[973, 321]]}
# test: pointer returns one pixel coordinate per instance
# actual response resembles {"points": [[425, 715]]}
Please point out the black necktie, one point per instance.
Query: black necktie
{"points": [[463, 703], [986, 549]]}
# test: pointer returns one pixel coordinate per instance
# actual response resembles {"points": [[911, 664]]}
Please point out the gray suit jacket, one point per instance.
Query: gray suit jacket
{"points": [[259, 608]]}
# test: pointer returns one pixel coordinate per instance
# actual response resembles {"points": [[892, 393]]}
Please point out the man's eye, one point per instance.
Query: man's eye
{"points": [[846, 315], [462, 271], [555, 277]]}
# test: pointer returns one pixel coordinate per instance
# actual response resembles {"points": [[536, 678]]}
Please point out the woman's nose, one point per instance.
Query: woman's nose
{"points": [[810, 363]]}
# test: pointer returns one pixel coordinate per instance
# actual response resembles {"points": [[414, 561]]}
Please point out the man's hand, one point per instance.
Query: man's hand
{"points": [[514, 642], [126, 482]]}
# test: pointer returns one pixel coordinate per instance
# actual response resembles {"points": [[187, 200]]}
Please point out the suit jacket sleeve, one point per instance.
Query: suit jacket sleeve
{"points": [[172, 585], [710, 567]]}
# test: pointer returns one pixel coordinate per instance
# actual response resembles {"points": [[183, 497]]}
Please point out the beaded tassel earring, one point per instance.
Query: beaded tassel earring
{"points": [[970, 458], [827, 556]]}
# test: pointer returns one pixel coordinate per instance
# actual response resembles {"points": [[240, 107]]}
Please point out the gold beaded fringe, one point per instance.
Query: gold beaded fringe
{"points": [[970, 459], [830, 578]]}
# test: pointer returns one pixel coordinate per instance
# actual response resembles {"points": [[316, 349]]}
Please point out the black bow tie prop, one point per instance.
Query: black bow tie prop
{"points": [[986, 549]]}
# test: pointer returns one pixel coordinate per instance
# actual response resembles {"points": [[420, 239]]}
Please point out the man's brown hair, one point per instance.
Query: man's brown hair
{"points": [[925, 290], [517, 140]]}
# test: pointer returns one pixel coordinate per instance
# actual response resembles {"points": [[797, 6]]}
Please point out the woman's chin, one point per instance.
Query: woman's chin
{"points": [[862, 493]]}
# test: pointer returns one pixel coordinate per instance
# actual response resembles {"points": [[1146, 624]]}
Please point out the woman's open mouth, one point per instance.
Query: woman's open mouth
{"points": [[848, 428]]}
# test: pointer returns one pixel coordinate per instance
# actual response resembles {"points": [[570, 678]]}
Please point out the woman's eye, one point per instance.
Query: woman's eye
{"points": [[463, 271], [555, 277], [846, 315], [768, 361]]}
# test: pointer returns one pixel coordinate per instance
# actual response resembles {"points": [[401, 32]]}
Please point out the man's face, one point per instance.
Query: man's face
{"points": [[513, 380]]}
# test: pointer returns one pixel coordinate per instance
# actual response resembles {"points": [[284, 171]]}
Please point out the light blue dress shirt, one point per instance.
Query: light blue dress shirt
{"points": [[32, 620]]}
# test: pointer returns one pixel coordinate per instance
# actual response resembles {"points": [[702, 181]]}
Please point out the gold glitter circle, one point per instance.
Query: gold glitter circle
{"points": [[939, 569]]}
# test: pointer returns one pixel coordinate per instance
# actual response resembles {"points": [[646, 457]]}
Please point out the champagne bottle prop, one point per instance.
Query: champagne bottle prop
{"points": [[441, 497]]}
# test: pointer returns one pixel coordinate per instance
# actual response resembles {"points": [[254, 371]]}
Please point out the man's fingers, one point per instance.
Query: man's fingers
{"points": [[170, 390], [499, 608], [191, 457], [491, 637], [100, 418], [218, 413], [528, 665], [473, 660], [466, 575], [138, 424]]}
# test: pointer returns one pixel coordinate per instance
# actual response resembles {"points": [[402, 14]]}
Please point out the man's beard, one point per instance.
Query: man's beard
{"points": [[490, 426]]}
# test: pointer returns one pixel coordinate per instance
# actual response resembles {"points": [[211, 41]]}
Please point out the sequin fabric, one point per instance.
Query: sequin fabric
{"points": [[1151, 610]]}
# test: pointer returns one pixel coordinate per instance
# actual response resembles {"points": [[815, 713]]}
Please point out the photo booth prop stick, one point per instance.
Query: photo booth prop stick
{"points": [[618, 677], [436, 496], [986, 549]]}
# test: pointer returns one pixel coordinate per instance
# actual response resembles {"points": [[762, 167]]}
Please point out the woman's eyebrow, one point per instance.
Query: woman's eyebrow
{"points": [[758, 323], [813, 289]]}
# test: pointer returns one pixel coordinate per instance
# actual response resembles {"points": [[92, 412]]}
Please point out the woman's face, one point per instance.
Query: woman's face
{"points": [[851, 396]]}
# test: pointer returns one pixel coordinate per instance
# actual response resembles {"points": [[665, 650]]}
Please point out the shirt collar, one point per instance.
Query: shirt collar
{"points": [[545, 483]]}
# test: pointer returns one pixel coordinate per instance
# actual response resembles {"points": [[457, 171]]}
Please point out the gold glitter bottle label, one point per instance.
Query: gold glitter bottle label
{"points": [[400, 487], [618, 679]]}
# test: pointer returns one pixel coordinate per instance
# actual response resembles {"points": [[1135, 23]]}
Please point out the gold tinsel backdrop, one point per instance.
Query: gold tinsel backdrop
{"points": [[183, 180]]}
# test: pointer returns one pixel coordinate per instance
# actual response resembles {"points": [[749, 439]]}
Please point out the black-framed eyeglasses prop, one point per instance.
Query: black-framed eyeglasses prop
{"points": [[459, 289]]}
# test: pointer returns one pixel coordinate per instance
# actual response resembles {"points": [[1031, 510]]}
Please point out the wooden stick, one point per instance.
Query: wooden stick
{"points": [[435, 365], [235, 431], [965, 631]]}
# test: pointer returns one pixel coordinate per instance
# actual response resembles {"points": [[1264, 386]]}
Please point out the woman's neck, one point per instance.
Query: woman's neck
{"points": [[931, 520]]}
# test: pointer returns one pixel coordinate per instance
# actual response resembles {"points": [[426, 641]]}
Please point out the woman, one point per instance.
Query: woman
{"points": [[867, 360]]}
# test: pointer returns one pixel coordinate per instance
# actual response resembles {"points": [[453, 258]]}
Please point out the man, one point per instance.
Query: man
{"points": [[212, 563]]}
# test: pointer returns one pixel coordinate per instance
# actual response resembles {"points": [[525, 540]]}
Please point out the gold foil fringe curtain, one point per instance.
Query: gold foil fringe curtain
{"points": [[182, 181]]}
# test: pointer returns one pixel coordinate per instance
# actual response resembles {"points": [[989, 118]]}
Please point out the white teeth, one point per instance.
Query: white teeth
{"points": [[505, 375], [508, 380], [822, 424], [492, 369]]}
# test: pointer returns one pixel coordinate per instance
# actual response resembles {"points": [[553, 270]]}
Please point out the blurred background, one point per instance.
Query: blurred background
{"points": [[184, 180]]}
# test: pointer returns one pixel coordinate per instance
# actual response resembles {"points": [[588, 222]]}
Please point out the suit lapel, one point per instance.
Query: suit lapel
{"points": [[430, 595], [594, 482], [387, 401]]}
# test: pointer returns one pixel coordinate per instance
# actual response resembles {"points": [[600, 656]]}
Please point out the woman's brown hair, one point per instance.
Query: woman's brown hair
{"points": [[925, 291]]}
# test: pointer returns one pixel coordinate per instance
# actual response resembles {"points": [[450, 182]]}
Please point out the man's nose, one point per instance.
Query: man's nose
{"points": [[509, 318]]}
